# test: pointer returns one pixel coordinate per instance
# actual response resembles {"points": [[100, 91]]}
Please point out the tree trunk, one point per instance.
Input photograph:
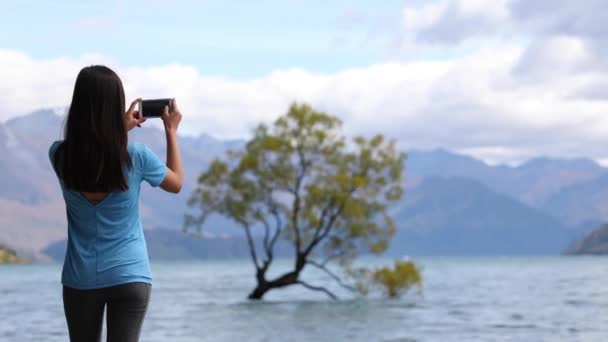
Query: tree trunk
{"points": [[259, 291], [264, 286]]}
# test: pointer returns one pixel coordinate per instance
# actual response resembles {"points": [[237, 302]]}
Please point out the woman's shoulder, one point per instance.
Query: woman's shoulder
{"points": [[140, 152], [53, 147], [136, 147]]}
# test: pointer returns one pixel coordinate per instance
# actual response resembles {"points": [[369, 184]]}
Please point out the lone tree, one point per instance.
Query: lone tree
{"points": [[300, 181]]}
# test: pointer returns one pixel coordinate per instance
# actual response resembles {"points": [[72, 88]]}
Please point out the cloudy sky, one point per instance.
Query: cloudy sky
{"points": [[503, 80]]}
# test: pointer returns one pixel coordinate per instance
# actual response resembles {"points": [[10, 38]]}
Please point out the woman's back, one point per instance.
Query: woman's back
{"points": [[106, 245]]}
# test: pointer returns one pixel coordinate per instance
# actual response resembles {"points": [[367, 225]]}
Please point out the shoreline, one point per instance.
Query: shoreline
{"points": [[9, 257]]}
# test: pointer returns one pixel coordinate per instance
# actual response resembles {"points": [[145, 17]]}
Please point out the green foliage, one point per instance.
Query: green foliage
{"points": [[397, 280], [302, 181], [9, 257]]}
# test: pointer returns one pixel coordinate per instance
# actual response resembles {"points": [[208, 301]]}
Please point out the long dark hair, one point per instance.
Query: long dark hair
{"points": [[93, 155]]}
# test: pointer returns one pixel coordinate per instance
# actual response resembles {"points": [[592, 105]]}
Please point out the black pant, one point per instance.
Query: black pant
{"points": [[127, 305]]}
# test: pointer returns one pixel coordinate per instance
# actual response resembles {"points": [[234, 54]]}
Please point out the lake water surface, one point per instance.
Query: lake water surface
{"points": [[463, 299]]}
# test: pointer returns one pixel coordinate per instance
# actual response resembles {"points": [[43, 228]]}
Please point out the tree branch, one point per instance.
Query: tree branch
{"points": [[322, 219], [279, 228], [266, 237], [252, 251], [330, 224], [331, 274], [296, 212], [300, 175], [317, 288], [333, 256], [326, 231]]}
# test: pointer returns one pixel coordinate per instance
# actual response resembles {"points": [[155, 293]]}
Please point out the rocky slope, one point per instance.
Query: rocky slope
{"points": [[595, 243]]}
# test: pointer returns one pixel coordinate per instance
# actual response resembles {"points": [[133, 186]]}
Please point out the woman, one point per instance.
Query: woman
{"points": [[100, 172]]}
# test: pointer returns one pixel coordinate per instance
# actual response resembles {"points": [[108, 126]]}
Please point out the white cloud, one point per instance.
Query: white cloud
{"points": [[417, 18], [453, 21], [27, 83], [556, 57], [501, 102], [494, 155]]}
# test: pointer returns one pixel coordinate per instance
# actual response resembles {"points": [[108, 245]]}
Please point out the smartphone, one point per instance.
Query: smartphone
{"points": [[153, 108]]}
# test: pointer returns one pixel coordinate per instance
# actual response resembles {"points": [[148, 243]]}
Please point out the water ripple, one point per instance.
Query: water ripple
{"points": [[465, 299]]}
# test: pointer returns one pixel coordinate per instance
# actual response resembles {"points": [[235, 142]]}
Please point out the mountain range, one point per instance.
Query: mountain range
{"points": [[453, 205]]}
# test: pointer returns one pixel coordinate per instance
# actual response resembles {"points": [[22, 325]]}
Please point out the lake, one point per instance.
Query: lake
{"points": [[463, 299]]}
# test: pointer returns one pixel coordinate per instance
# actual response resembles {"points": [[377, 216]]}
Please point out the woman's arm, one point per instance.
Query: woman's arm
{"points": [[175, 174]]}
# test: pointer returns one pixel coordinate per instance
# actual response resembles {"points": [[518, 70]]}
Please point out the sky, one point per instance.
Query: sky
{"points": [[501, 80]]}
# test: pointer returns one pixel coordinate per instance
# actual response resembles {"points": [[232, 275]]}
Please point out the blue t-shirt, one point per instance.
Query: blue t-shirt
{"points": [[106, 244]]}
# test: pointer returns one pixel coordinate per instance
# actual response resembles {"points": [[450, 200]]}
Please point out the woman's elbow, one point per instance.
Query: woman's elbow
{"points": [[171, 185], [177, 188], [174, 188]]}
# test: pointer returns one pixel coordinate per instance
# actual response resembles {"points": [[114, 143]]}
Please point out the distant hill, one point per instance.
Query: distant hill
{"points": [[460, 216], [31, 209], [532, 183], [453, 203], [583, 202], [595, 242]]}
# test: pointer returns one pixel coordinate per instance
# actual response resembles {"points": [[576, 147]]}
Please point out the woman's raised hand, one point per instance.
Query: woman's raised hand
{"points": [[171, 117], [133, 117]]}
